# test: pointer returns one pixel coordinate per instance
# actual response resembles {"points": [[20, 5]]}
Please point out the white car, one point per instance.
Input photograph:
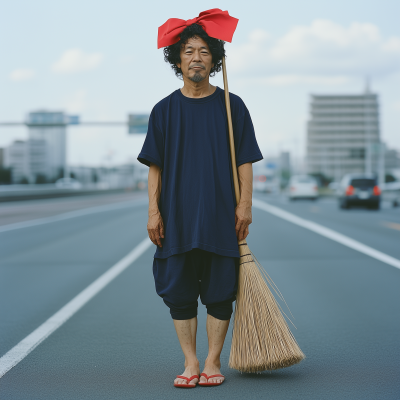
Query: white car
{"points": [[68, 183], [303, 186], [265, 183]]}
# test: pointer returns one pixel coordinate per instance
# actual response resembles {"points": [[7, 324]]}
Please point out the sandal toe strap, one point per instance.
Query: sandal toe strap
{"points": [[211, 376], [186, 378]]}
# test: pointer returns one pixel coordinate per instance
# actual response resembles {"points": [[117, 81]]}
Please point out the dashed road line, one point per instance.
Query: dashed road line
{"points": [[391, 225]]}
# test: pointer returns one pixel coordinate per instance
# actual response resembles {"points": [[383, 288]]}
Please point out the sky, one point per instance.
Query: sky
{"points": [[99, 59]]}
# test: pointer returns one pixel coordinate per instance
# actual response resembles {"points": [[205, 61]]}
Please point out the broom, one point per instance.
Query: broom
{"points": [[261, 338]]}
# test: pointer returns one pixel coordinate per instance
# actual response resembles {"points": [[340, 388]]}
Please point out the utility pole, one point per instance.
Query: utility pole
{"points": [[367, 116], [381, 164]]}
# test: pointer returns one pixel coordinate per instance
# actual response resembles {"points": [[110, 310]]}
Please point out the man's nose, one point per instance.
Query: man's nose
{"points": [[196, 56]]}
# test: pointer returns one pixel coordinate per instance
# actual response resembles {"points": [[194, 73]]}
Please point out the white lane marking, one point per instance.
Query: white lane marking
{"points": [[329, 233], [25, 346], [72, 214]]}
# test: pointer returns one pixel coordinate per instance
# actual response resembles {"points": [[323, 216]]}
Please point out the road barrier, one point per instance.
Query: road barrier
{"points": [[32, 192]]}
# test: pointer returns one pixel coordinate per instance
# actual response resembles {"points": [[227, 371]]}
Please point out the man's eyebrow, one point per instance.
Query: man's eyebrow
{"points": [[189, 46]]}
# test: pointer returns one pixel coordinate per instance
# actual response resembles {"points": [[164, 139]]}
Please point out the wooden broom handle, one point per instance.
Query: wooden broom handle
{"points": [[230, 128]]}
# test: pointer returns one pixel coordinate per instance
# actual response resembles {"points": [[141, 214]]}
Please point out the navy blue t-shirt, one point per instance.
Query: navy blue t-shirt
{"points": [[189, 140]]}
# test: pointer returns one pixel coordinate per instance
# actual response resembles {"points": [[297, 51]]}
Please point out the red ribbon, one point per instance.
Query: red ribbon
{"points": [[217, 24]]}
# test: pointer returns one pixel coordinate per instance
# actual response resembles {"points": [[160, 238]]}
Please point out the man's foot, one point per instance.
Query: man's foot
{"points": [[188, 373], [212, 368]]}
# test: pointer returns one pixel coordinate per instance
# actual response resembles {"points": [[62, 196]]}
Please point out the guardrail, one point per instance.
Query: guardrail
{"points": [[46, 191]]}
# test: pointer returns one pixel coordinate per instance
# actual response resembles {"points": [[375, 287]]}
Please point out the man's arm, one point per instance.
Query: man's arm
{"points": [[243, 210], [155, 225]]}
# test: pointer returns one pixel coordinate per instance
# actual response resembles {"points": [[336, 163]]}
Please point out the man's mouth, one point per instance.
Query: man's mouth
{"points": [[197, 67]]}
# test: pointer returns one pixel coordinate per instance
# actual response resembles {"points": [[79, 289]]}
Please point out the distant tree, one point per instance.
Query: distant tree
{"points": [[72, 175], [94, 176], [41, 178], [389, 178], [322, 179], [60, 173], [285, 176], [5, 176], [24, 181]]}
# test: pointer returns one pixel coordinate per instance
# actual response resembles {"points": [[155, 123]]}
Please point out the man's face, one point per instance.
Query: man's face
{"points": [[196, 60]]}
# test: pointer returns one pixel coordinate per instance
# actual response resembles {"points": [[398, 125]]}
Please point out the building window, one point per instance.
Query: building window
{"points": [[357, 153]]}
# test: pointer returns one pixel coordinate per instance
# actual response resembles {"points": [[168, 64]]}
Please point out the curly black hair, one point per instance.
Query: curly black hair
{"points": [[216, 46]]}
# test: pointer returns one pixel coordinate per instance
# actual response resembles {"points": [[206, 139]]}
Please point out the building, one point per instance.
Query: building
{"points": [[127, 176], [16, 158], [392, 160], [47, 144], [38, 161], [343, 134], [41, 158]]}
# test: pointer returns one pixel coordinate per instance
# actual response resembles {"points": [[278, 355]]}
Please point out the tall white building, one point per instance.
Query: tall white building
{"points": [[342, 134], [16, 158], [47, 144]]}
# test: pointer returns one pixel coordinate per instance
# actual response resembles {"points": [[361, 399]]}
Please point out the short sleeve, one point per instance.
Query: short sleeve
{"points": [[246, 146], [153, 146]]}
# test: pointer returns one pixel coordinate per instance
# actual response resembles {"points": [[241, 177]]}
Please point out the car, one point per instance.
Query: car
{"points": [[265, 183], [359, 190], [392, 192], [68, 183], [303, 186]]}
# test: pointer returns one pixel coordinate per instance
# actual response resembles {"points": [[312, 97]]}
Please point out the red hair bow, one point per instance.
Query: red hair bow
{"points": [[217, 24]]}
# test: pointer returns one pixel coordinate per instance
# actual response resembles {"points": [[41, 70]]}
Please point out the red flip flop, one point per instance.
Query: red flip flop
{"points": [[182, 385], [211, 383]]}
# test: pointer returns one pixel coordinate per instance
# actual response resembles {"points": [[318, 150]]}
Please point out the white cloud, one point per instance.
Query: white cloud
{"points": [[392, 45], [76, 60], [22, 74], [315, 52], [77, 102]]}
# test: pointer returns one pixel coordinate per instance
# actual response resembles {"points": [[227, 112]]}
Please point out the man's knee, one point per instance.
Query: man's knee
{"points": [[222, 310], [182, 311]]}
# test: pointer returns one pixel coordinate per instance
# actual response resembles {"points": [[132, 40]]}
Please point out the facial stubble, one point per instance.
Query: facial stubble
{"points": [[197, 77]]}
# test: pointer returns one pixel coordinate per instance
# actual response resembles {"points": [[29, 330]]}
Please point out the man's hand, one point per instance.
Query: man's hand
{"points": [[243, 209], [155, 228], [242, 220]]}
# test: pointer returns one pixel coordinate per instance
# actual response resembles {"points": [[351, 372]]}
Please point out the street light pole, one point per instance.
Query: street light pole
{"points": [[381, 167]]}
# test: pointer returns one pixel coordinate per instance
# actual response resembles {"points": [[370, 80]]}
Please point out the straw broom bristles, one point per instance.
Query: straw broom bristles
{"points": [[261, 338]]}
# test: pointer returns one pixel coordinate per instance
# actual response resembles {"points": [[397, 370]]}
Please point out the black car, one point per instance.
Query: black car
{"points": [[359, 190]]}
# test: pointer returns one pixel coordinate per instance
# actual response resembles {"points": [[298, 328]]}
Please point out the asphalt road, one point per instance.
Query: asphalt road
{"points": [[122, 343]]}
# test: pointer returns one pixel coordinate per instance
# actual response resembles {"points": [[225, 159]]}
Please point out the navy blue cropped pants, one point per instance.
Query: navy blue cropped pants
{"points": [[181, 278]]}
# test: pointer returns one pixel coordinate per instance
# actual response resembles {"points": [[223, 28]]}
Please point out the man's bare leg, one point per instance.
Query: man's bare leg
{"points": [[186, 330], [216, 332]]}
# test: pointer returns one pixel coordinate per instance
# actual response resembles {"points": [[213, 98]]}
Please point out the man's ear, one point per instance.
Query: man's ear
{"points": [[178, 65]]}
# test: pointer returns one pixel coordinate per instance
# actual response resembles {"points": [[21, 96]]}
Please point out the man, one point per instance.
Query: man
{"points": [[193, 216]]}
